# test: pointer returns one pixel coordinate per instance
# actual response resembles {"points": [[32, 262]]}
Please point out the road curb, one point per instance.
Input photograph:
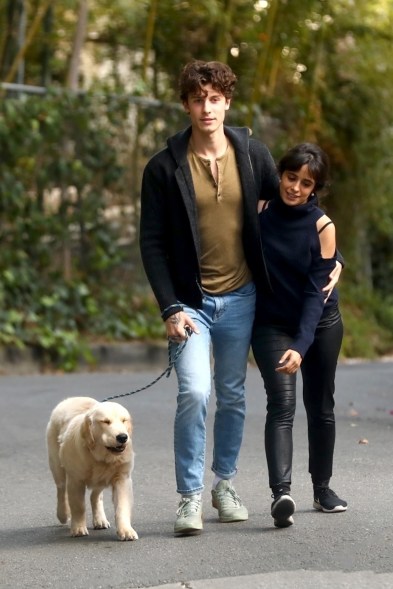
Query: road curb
{"points": [[126, 356], [301, 579], [130, 356]]}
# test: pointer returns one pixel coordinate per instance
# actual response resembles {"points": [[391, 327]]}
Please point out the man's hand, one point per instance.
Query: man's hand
{"points": [[289, 362], [334, 277], [176, 327]]}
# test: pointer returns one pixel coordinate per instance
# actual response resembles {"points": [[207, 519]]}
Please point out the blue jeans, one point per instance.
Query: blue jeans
{"points": [[225, 325]]}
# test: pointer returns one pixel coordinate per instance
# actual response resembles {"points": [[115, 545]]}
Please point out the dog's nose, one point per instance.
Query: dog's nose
{"points": [[121, 438]]}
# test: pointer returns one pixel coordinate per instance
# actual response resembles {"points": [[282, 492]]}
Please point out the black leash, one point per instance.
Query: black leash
{"points": [[167, 371]]}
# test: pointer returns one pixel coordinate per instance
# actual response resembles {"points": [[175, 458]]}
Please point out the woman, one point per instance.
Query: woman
{"points": [[296, 327]]}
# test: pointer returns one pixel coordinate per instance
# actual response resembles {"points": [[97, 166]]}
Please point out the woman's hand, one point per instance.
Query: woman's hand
{"points": [[289, 362], [334, 277]]}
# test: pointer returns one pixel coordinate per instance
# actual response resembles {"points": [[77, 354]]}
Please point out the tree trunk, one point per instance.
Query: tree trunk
{"points": [[80, 34], [45, 58], [223, 31], [151, 21], [29, 38], [139, 118], [261, 75], [8, 47]]}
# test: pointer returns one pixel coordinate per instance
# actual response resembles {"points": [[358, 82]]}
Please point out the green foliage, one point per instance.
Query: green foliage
{"points": [[368, 322], [312, 70], [61, 172]]}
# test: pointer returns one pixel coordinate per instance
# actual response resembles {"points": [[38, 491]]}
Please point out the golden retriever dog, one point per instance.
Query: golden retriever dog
{"points": [[89, 446]]}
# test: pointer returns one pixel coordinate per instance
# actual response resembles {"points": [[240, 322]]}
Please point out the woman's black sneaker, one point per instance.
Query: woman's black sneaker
{"points": [[326, 500], [282, 509]]}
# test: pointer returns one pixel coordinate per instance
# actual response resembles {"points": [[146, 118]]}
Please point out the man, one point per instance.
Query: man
{"points": [[201, 249]]}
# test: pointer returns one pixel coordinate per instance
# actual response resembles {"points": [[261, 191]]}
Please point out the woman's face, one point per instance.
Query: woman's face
{"points": [[296, 187]]}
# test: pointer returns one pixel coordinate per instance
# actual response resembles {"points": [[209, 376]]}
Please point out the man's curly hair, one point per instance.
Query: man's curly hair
{"points": [[196, 74]]}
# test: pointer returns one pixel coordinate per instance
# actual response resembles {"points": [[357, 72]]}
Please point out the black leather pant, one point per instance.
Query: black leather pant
{"points": [[318, 373]]}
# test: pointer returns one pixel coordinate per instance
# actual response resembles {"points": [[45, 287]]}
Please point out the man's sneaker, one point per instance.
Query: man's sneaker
{"points": [[189, 516], [282, 509], [326, 500], [229, 505]]}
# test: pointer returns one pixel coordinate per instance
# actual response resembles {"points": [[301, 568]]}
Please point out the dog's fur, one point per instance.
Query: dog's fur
{"points": [[90, 446]]}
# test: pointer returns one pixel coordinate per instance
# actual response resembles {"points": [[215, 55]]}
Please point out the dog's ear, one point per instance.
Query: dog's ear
{"points": [[86, 430]]}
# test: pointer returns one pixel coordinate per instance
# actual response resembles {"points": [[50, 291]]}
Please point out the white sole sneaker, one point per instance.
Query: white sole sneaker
{"points": [[282, 510], [189, 517], [335, 509]]}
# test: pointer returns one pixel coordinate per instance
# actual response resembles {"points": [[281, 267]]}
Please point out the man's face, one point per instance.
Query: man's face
{"points": [[207, 109]]}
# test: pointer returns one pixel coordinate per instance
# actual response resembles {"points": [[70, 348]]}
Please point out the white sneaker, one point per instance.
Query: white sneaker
{"points": [[229, 505], [189, 516]]}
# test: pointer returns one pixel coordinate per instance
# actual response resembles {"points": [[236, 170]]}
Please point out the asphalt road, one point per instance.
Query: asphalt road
{"points": [[352, 549]]}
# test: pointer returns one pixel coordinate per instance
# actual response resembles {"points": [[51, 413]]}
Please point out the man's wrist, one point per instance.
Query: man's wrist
{"points": [[171, 310]]}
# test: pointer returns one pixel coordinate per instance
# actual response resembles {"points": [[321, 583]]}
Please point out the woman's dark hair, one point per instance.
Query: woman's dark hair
{"points": [[311, 155], [196, 74]]}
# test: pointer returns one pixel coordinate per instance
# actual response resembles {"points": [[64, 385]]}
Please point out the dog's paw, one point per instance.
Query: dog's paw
{"points": [[77, 531], [101, 524], [125, 534]]}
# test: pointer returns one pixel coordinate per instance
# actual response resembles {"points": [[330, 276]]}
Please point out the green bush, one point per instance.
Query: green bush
{"points": [[368, 323], [62, 166], [70, 273]]}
